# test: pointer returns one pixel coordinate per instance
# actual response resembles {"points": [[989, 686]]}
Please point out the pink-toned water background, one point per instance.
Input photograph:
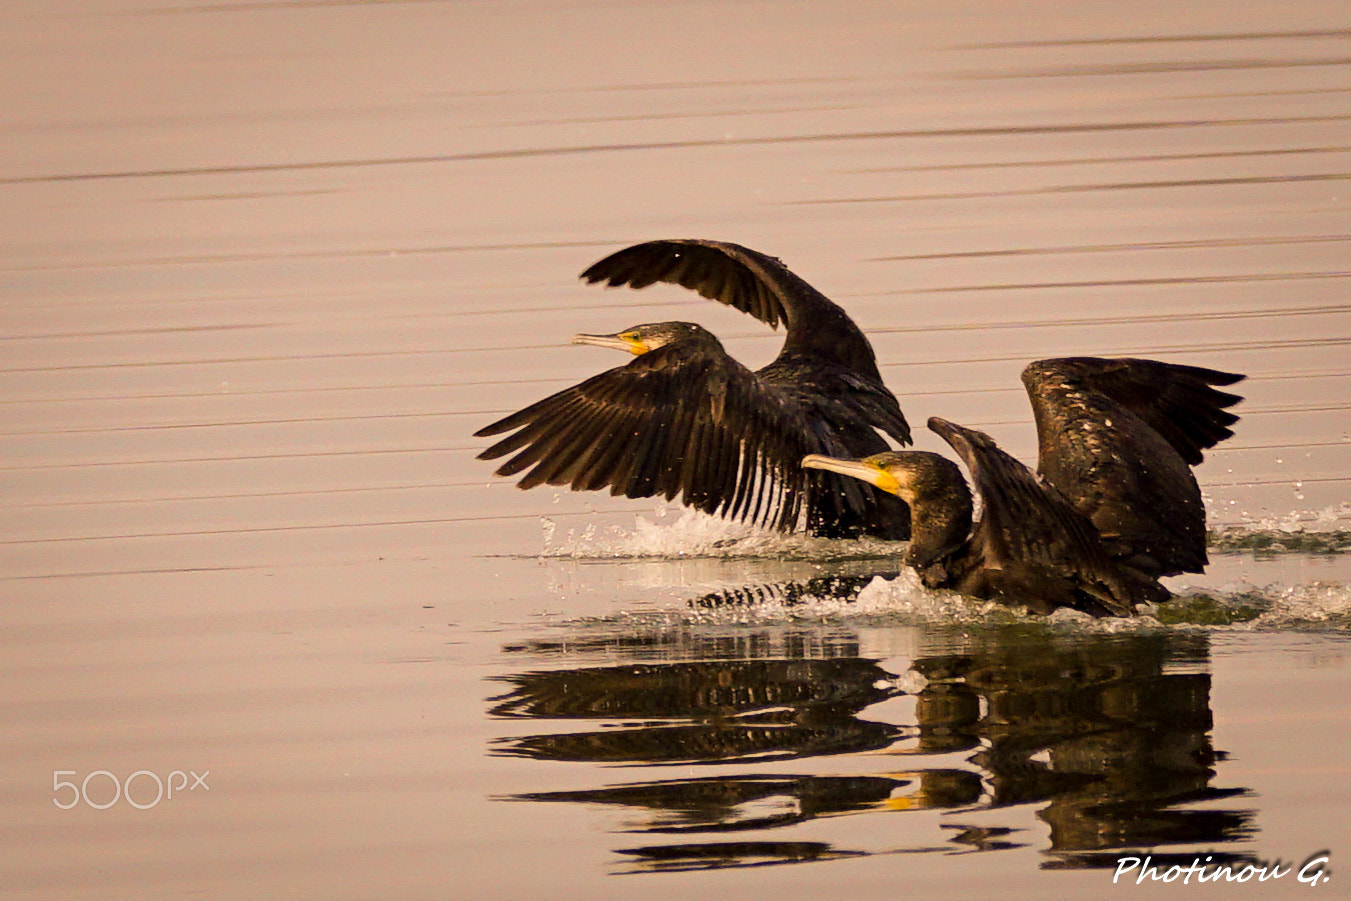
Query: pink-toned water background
{"points": [[266, 267]]}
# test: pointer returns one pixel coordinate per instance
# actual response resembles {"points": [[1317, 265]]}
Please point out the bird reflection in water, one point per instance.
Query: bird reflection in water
{"points": [[705, 712], [1108, 734], [1096, 727]]}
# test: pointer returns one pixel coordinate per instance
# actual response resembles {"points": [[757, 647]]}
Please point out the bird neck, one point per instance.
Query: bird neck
{"points": [[940, 526]]}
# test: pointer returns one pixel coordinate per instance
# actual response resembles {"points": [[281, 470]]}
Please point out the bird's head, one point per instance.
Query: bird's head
{"points": [[906, 474], [643, 338], [933, 486]]}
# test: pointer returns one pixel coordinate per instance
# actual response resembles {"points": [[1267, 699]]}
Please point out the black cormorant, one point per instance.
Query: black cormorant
{"points": [[1112, 508], [684, 418]]}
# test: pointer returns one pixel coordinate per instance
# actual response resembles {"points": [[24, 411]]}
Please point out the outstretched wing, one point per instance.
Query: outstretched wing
{"points": [[1179, 402], [1030, 543], [675, 421], [1119, 437], [752, 282]]}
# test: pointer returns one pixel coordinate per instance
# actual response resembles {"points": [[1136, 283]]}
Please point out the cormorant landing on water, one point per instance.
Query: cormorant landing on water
{"points": [[684, 418], [1112, 508]]}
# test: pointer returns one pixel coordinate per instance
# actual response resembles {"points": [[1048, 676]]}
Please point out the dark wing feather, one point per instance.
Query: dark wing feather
{"points": [[1030, 544], [1179, 402], [753, 283], [675, 421], [728, 273], [1116, 437], [844, 411]]}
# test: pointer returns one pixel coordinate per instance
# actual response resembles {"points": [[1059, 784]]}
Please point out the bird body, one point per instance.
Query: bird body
{"points": [[1113, 507], [684, 419]]}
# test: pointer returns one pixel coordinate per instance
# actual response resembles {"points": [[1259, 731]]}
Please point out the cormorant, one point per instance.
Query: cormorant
{"points": [[1112, 508], [684, 418]]}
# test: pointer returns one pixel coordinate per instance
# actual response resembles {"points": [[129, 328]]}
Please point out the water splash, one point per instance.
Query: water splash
{"points": [[844, 593], [903, 600], [1318, 605], [696, 534], [1326, 531]]}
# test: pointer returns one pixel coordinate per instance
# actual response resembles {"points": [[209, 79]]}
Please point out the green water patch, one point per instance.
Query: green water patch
{"points": [[1212, 610], [1275, 541]]}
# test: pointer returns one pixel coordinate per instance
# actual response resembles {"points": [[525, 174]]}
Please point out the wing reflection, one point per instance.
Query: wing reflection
{"points": [[839, 588], [741, 803], [714, 855], [726, 710], [1107, 735]]}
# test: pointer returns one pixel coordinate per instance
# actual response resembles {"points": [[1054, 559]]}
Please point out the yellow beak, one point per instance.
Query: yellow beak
{"points": [[865, 470], [614, 342]]}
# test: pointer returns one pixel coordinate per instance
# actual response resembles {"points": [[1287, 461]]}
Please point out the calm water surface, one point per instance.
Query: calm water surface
{"points": [[266, 267]]}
